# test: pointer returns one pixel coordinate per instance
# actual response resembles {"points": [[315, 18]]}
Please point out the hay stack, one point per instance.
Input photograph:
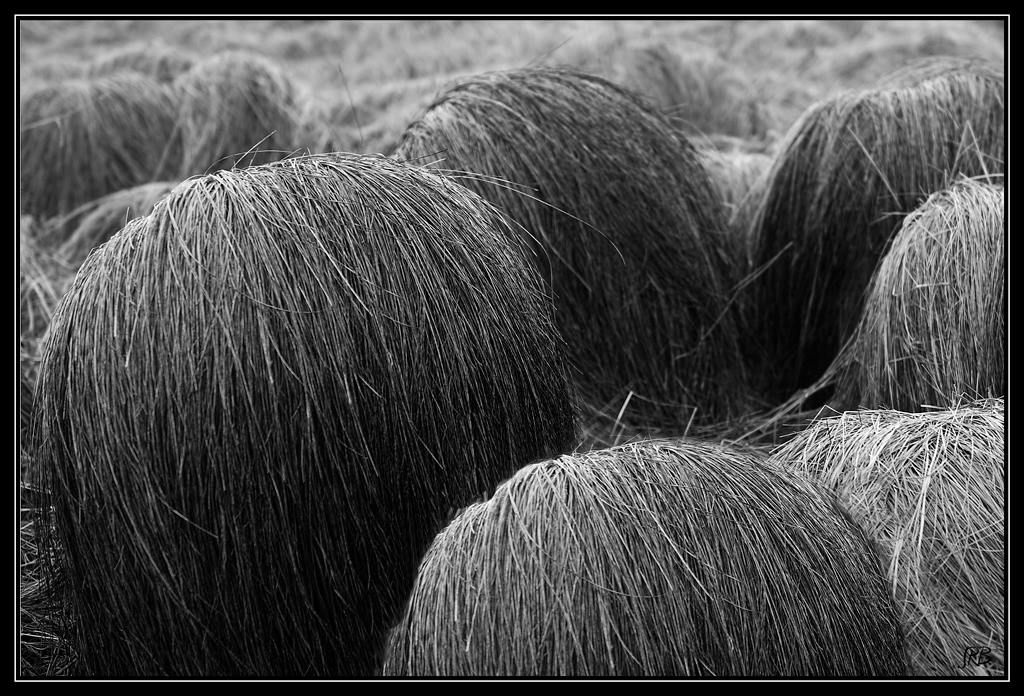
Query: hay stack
{"points": [[100, 219], [933, 330], [237, 109], [158, 60], [259, 402], [662, 558], [929, 489], [82, 139], [851, 168], [625, 223]]}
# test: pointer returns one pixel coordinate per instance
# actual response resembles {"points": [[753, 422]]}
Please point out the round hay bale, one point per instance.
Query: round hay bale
{"points": [[257, 404], [933, 332], [82, 139], [626, 227], [850, 170], [236, 109], [662, 558], [929, 489], [158, 60], [100, 219]]}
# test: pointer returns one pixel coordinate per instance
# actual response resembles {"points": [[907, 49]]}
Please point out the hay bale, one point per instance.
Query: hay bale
{"points": [[662, 558], [100, 219], [82, 139], [258, 403], [625, 224], [156, 59], [236, 109], [929, 489], [933, 332], [850, 170]]}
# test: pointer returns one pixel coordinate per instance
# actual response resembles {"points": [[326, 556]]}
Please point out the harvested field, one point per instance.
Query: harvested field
{"points": [[183, 412]]}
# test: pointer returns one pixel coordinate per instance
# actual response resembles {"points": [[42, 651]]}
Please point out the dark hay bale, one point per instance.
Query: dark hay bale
{"points": [[82, 139], [662, 558], [625, 223], [257, 404], [158, 60], [236, 109], [850, 170], [928, 488], [933, 331], [100, 219]]}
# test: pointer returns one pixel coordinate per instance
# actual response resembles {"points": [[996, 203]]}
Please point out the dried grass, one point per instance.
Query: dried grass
{"points": [[100, 219], [850, 170], [83, 139], [258, 402], [625, 224], [156, 59], [662, 558], [933, 331], [43, 278], [236, 109], [701, 94], [929, 489]]}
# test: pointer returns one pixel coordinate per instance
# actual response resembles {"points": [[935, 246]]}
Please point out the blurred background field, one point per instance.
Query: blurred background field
{"points": [[365, 80]]}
